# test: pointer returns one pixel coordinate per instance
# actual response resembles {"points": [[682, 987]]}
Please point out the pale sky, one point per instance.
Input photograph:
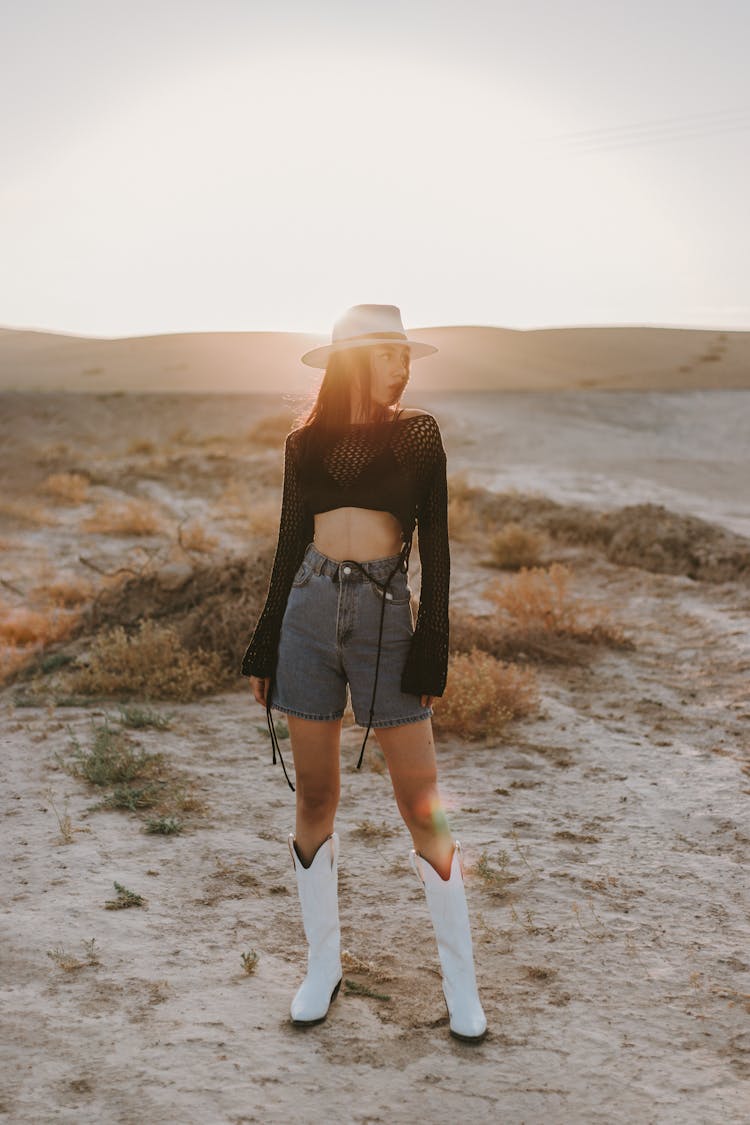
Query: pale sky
{"points": [[181, 166]]}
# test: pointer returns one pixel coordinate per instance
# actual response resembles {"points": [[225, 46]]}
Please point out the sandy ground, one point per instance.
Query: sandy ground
{"points": [[613, 960]]}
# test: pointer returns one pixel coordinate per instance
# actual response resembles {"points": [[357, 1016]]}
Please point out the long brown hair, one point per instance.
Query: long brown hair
{"points": [[332, 406]]}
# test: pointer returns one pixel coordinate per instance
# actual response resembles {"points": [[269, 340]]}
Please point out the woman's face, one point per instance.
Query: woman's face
{"points": [[389, 364]]}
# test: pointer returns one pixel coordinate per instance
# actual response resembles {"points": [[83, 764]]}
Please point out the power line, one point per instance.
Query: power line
{"points": [[685, 127]]}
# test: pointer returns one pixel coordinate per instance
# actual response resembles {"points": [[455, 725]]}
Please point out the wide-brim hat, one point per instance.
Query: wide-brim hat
{"points": [[364, 325]]}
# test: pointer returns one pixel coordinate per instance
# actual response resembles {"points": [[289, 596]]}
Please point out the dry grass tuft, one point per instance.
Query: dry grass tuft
{"points": [[368, 830], [65, 592], [537, 619], [194, 537], [516, 546], [23, 513], [152, 664], [127, 517], [483, 695], [538, 600], [72, 488], [141, 447], [21, 627]]}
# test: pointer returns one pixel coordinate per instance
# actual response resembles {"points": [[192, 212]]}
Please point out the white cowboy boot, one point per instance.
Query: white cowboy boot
{"points": [[446, 901], [318, 894]]}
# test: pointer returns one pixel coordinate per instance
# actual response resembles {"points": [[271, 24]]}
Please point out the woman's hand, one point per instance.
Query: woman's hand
{"points": [[260, 688], [427, 700]]}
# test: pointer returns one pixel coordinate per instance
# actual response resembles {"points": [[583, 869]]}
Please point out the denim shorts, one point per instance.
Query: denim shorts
{"points": [[329, 641]]}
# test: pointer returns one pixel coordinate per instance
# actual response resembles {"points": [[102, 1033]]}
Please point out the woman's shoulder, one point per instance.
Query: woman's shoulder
{"points": [[411, 412]]}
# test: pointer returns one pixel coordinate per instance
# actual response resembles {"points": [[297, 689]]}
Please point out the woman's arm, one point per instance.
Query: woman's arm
{"points": [[296, 530], [426, 668]]}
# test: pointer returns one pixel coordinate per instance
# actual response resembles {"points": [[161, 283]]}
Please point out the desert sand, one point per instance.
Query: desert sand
{"points": [[611, 942], [470, 358]]}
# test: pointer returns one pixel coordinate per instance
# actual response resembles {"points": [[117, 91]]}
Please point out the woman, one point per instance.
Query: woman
{"points": [[359, 474]]}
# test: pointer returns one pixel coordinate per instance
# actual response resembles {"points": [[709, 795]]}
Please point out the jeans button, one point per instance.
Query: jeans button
{"points": [[347, 570]]}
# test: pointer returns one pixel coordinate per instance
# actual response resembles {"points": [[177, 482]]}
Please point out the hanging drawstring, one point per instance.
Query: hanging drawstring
{"points": [[274, 738], [402, 564]]}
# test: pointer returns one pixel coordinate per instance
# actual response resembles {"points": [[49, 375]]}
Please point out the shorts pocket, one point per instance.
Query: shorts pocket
{"points": [[398, 593], [303, 574]]}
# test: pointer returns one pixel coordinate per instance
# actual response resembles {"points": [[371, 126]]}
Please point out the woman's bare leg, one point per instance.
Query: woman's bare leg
{"points": [[410, 754], [316, 750]]}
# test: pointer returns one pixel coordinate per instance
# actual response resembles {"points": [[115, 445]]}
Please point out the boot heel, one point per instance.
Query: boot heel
{"points": [[310, 1023]]}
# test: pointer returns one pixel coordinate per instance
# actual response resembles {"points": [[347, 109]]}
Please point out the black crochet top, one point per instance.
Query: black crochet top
{"points": [[398, 466]]}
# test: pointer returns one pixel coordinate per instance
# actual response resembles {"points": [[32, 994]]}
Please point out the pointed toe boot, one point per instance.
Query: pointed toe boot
{"points": [[446, 901], [317, 886]]}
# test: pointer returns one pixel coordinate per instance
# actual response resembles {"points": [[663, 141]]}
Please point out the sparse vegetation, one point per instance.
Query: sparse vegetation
{"points": [[23, 513], [483, 695], [249, 961], [537, 600], [69, 963], [194, 537], [124, 899], [22, 627], [354, 988], [152, 663], [71, 488], [136, 780], [164, 826], [111, 758], [64, 592], [126, 517], [139, 718], [371, 831], [516, 546]]}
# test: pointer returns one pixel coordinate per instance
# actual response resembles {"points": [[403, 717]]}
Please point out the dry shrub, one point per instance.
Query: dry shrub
{"points": [[213, 606], [64, 592], [151, 664], [49, 454], [271, 430], [23, 628], [516, 546], [25, 514], [194, 537], [540, 618], [652, 537], [483, 695], [141, 447], [12, 662], [463, 523], [127, 517], [459, 487], [538, 599], [72, 488]]}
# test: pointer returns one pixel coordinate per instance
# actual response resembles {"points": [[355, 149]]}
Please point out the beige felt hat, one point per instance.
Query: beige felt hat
{"points": [[364, 325]]}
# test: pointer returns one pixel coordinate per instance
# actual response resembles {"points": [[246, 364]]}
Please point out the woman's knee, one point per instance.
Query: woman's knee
{"points": [[423, 811]]}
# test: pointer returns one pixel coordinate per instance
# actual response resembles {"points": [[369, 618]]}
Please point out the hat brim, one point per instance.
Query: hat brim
{"points": [[318, 357]]}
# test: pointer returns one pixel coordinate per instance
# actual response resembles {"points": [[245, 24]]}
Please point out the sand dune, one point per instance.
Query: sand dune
{"points": [[470, 358]]}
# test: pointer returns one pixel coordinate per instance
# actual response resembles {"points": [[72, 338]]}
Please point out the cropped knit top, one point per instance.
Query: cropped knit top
{"points": [[398, 466]]}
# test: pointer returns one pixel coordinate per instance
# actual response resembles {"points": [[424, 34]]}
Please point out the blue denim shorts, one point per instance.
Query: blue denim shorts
{"points": [[329, 641]]}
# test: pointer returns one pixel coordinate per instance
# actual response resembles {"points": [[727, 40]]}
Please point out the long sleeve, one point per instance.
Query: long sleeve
{"points": [[296, 529], [426, 669]]}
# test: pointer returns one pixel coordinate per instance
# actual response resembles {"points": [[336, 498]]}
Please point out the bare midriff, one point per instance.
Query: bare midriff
{"points": [[359, 534]]}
